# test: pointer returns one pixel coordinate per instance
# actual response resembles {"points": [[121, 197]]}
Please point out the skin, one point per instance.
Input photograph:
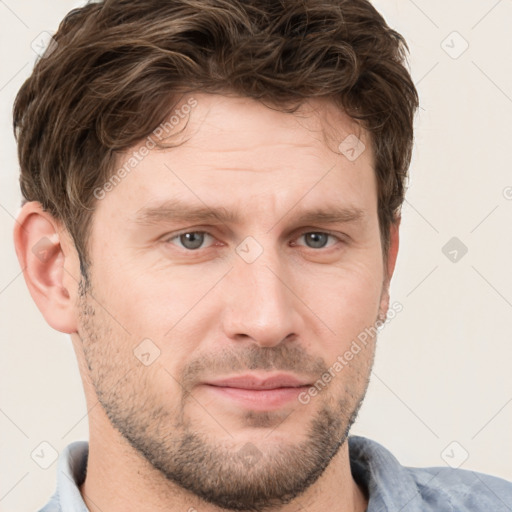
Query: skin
{"points": [[159, 438]]}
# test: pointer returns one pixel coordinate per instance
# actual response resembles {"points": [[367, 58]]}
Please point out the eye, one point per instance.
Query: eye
{"points": [[190, 240], [317, 239], [193, 240]]}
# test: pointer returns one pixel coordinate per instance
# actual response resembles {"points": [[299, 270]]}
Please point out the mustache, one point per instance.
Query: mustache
{"points": [[283, 357]]}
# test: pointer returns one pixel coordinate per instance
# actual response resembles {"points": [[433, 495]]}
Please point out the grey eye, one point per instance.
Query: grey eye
{"points": [[316, 240], [192, 240]]}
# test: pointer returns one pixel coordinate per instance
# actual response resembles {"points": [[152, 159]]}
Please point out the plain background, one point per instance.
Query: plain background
{"points": [[441, 392]]}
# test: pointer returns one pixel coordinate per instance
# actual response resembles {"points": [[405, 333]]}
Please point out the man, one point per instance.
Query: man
{"points": [[212, 207]]}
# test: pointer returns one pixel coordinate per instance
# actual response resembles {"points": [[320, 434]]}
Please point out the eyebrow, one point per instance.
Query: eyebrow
{"points": [[175, 210]]}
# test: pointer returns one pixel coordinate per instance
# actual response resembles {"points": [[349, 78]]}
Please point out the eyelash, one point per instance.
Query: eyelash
{"points": [[176, 236]]}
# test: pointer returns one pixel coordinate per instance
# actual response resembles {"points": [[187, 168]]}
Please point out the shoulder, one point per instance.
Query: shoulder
{"points": [[391, 486], [462, 490]]}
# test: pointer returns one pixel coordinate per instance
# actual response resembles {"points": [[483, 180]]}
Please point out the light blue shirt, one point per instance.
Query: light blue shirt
{"points": [[390, 486]]}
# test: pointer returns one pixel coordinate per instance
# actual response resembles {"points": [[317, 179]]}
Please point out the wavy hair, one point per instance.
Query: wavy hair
{"points": [[116, 67]]}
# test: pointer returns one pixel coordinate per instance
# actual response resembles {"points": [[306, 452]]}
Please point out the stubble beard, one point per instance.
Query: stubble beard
{"points": [[230, 475]]}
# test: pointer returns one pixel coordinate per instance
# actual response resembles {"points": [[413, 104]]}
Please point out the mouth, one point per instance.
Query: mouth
{"points": [[259, 392]]}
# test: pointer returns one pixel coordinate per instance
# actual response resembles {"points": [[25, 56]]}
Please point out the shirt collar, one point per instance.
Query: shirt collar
{"points": [[71, 475], [389, 485]]}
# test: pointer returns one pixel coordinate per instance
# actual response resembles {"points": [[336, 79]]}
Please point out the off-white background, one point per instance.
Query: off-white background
{"points": [[443, 368]]}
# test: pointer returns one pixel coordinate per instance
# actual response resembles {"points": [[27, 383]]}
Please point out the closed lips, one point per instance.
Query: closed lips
{"points": [[253, 382]]}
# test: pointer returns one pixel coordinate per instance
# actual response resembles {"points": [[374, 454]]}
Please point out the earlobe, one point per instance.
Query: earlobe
{"points": [[46, 258]]}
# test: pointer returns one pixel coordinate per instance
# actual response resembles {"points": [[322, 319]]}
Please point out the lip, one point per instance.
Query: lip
{"points": [[260, 382], [258, 392]]}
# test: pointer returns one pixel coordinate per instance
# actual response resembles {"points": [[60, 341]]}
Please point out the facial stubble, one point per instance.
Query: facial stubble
{"points": [[218, 472]]}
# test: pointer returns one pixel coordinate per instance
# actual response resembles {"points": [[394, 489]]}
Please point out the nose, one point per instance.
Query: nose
{"points": [[260, 302]]}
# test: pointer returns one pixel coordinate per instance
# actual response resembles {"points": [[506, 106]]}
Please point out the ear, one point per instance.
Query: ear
{"points": [[393, 247], [390, 266], [50, 265]]}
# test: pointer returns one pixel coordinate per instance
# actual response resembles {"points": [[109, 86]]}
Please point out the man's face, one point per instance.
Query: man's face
{"points": [[258, 293]]}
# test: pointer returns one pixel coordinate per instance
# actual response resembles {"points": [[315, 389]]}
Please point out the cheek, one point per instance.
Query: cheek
{"points": [[151, 300], [348, 302], [173, 308], [350, 292]]}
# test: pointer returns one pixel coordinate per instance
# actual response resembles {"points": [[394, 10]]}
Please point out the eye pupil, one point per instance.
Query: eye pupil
{"points": [[318, 239], [192, 240]]}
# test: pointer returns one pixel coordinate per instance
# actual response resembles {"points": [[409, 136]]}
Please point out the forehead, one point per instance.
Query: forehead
{"points": [[231, 123], [237, 151]]}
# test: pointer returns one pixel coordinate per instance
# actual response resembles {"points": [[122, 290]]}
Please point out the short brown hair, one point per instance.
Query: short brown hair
{"points": [[117, 65]]}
